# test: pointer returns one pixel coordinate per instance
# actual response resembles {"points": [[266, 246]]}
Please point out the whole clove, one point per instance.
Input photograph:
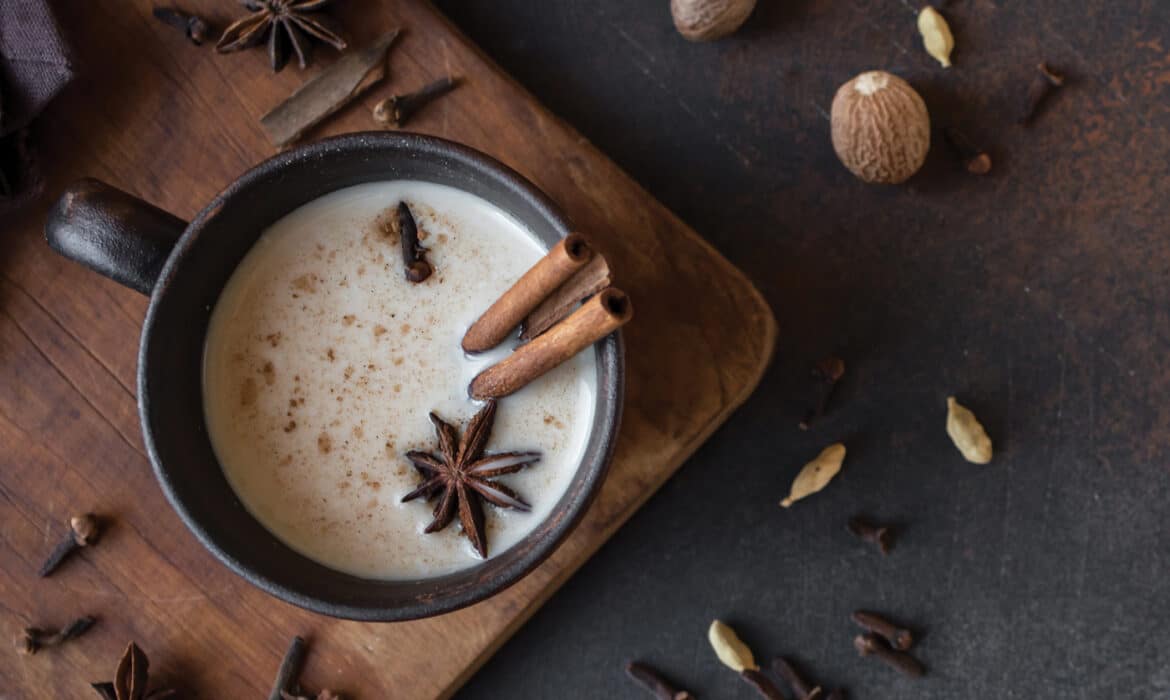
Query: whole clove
{"points": [[33, 639], [803, 689], [655, 682], [881, 535], [398, 109], [290, 669], [414, 261], [870, 644], [763, 685], [84, 530], [899, 637], [975, 160], [1041, 87], [827, 373], [194, 26]]}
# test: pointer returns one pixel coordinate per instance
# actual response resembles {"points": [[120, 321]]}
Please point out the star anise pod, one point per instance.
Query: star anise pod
{"points": [[282, 22], [461, 476], [130, 679]]}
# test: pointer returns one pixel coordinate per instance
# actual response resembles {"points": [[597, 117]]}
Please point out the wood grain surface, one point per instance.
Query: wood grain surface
{"points": [[174, 123]]}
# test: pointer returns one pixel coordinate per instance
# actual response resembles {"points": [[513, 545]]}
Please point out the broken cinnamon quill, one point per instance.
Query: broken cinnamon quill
{"points": [[542, 279], [601, 315], [350, 76], [589, 280]]}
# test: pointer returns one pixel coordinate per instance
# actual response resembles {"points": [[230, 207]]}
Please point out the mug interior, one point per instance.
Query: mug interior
{"points": [[170, 374]]}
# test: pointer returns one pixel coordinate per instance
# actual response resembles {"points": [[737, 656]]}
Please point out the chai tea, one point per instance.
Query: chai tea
{"points": [[323, 361]]}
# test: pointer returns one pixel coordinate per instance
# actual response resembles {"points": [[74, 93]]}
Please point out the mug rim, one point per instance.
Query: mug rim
{"points": [[608, 405]]}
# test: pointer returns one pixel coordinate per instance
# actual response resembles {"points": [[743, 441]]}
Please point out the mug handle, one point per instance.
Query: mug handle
{"points": [[112, 232]]}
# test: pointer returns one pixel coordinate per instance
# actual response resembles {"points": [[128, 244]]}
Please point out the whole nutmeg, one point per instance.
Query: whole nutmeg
{"points": [[707, 20], [881, 130]]}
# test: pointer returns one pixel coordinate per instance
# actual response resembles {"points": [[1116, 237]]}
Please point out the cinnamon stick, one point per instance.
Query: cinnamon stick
{"points": [[589, 280], [601, 315], [541, 280]]}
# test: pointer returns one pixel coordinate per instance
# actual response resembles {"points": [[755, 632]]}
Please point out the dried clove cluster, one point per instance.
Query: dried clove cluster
{"points": [[881, 639]]}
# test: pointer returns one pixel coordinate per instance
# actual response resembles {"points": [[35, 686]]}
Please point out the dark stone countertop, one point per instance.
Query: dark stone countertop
{"points": [[1039, 295]]}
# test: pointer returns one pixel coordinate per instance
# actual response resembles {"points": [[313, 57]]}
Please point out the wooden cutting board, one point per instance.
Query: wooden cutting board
{"points": [[174, 123]]}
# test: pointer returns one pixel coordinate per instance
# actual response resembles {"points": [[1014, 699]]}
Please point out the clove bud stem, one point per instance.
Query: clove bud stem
{"points": [[872, 645], [975, 160], [763, 685], [881, 535], [803, 689], [898, 637], [652, 680], [194, 26], [290, 669], [33, 639], [1042, 86], [83, 531], [398, 110]]}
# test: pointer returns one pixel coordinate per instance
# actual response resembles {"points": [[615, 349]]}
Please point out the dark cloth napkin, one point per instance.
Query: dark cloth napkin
{"points": [[35, 64]]}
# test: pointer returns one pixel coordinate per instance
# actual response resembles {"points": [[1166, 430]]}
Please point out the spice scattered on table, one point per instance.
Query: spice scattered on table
{"points": [[287, 685], [1045, 82], [707, 20], [967, 433], [289, 672], [33, 639], [817, 474], [461, 476], [336, 86], [131, 679], [193, 26], [803, 689], [975, 160], [285, 24], [730, 648], [398, 109], [880, 535], [870, 644], [84, 530], [899, 637], [738, 657], [936, 35], [880, 128], [653, 681], [827, 373]]}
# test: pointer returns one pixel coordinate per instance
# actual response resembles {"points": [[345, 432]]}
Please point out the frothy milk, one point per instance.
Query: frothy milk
{"points": [[322, 363]]}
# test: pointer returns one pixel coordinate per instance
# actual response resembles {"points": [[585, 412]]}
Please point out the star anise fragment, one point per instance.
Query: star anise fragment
{"points": [[130, 679], [283, 23], [461, 476]]}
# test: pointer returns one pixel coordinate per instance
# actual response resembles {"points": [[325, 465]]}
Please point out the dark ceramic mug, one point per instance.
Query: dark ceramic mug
{"points": [[184, 267]]}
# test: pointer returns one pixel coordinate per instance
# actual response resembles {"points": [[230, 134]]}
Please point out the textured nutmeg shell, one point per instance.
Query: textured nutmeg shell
{"points": [[707, 20], [880, 127]]}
